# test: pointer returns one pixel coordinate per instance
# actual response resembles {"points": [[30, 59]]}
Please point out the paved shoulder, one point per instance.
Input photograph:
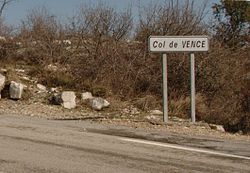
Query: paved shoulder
{"points": [[38, 145]]}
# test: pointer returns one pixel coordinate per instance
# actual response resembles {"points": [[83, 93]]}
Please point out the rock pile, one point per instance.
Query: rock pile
{"points": [[67, 99]]}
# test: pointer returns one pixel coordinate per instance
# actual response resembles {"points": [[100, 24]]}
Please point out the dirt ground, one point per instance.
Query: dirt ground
{"points": [[39, 108]]}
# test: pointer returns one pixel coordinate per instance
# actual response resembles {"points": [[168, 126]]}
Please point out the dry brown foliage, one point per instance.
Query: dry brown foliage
{"points": [[171, 18], [101, 59]]}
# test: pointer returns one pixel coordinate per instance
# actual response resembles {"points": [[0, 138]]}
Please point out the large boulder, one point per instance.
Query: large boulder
{"points": [[16, 90], [67, 99], [98, 103]]}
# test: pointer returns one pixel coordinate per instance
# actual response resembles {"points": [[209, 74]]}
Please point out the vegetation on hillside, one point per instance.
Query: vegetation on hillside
{"points": [[105, 51]]}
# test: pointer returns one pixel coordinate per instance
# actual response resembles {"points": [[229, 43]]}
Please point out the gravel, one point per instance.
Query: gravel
{"points": [[37, 107]]}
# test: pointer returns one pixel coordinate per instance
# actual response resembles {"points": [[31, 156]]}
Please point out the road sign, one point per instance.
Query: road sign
{"points": [[164, 44], [178, 43]]}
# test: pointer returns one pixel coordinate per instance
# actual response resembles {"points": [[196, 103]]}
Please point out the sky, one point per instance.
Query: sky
{"points": [[16, 11]]}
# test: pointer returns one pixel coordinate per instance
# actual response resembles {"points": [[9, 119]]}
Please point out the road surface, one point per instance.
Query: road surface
{"points": [[42, 146]]}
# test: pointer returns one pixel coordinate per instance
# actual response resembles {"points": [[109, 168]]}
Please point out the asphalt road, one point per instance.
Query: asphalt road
{"points": [[42, 146]]}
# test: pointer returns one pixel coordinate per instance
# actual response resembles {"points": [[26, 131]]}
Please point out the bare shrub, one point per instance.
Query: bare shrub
{"points": [[171, 18], [5, 30], [101, 21], [99, 55], [42, 35], [231, 25], [7, 46], [147, 103], [180, 107], [104, 59], [222, 77], [58, 78]]}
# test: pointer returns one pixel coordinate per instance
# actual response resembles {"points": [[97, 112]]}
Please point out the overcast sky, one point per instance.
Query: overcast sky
{"points": [[65, 8]]}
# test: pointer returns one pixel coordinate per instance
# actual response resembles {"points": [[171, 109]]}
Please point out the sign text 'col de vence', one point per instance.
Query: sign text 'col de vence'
{"points": [[178, 44]]}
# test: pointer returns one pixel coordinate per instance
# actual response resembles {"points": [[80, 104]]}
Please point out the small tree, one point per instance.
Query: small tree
{"points": [[40, 31], [101, 21], [171, 18], [232, 25], [40, 24]]}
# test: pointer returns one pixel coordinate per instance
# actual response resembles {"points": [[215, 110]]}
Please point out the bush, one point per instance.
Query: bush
{"points": [[50, 78], [104, 57], [99, 91], [147, 103], [180, 107], [171, 18], [222, 77], [42, 37]]}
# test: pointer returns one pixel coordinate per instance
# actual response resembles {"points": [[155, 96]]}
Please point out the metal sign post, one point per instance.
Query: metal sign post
{"points": [[163, 44], [192, 86], [165, 88]]}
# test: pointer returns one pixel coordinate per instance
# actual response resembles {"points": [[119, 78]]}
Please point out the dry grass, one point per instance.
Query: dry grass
{"points": [[181, 107], [101, 60]]}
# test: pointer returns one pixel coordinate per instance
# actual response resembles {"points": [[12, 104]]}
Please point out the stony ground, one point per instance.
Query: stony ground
{"points": [[115, 117], [36, 103]]}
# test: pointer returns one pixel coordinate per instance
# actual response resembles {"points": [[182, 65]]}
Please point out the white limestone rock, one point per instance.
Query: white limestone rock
{"points": [[156, 112], [98, 103], [2, 81], [41, 88], [68, 99], [53, 90], [86, 96], [16, 90]]}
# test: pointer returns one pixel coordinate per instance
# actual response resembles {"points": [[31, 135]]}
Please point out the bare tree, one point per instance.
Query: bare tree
{"points": [[171, 18], [3, 4], [102, 21], [42, 32]]}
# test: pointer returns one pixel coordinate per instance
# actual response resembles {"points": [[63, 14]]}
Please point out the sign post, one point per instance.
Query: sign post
{"points": [[164, 44], [165, 88], [192, 86]]}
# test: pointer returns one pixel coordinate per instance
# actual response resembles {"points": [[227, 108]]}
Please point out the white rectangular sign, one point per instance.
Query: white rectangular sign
{"points": [[178, 44]]}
